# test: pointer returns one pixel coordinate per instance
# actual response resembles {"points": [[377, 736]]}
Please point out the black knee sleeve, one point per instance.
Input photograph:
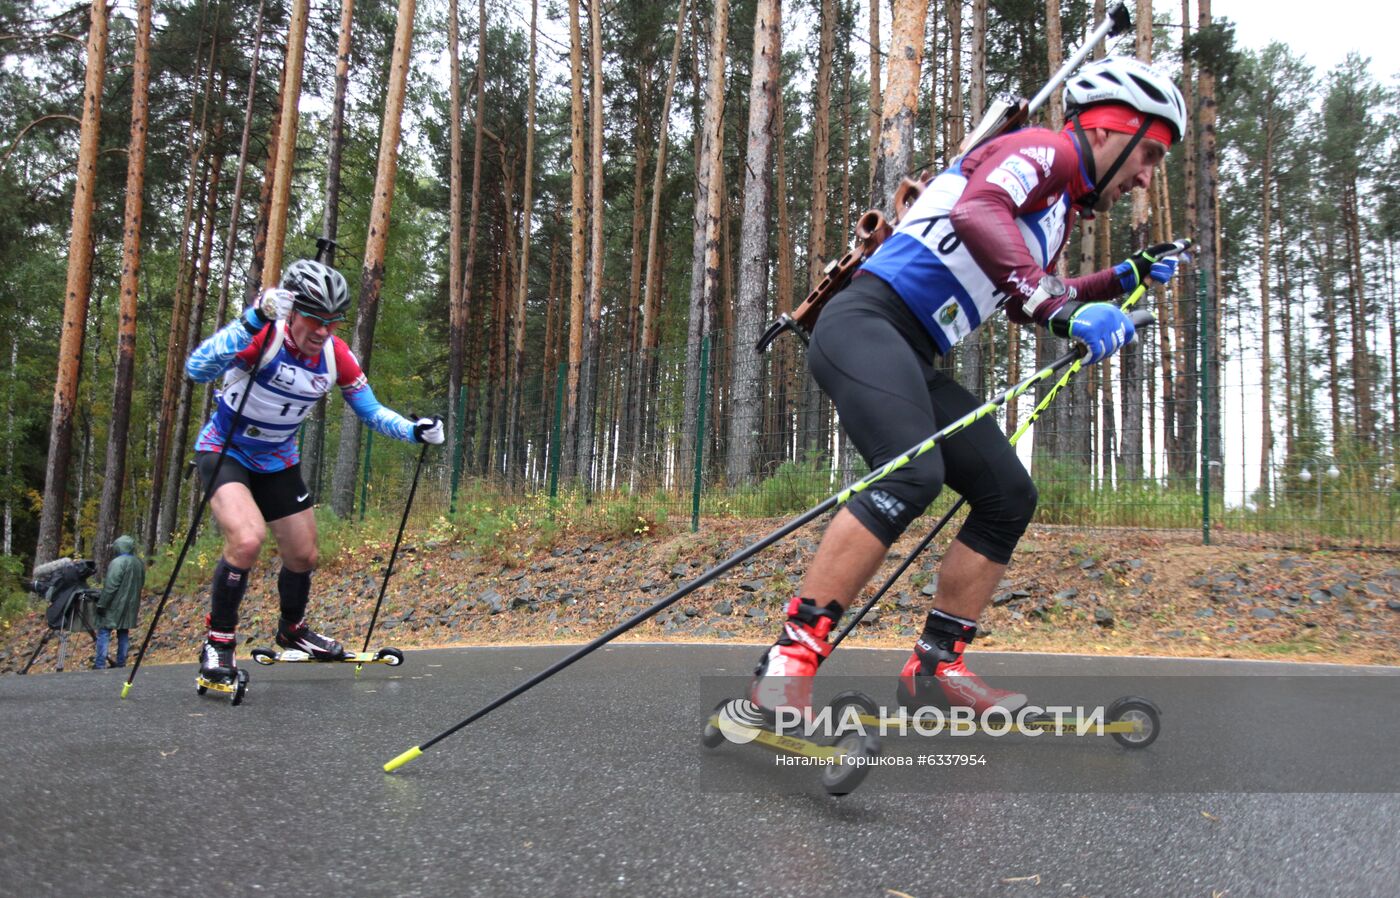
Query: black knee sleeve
{"points": [[999, 520], [230, 583], [293, 589], [890, 506]]}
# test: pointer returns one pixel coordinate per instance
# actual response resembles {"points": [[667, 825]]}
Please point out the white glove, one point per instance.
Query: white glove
{"points": [[275, 304], [429, 430]]}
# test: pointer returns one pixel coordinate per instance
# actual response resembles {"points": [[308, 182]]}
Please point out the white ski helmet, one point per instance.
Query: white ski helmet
{"points": [[1122, 79]]}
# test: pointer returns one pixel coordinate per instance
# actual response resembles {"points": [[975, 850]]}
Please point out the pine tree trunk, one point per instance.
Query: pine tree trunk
{"points": [[787, 362], [313, 437], [76, 290], [1356, 300], [588, 389], [956, 121], [231, 239], [515, 440], [1266, 192], [469, 307], [811, 409], [897, 119], [456, 298], [971, 360], [578, 255], [177, 344], [123, 381], [372, 274], [1130, 356], [630, 345], [745, 432], [1206, 258], [651, 304], [287, 142], [876, 100], [253, 283], [175, 468], [705, 242]]}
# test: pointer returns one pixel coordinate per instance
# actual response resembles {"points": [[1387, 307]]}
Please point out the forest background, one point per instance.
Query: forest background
{"points": [[564, 225]]}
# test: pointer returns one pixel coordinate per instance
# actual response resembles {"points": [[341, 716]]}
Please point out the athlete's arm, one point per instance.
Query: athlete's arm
{"points": [[238, 342], [354, 386]]}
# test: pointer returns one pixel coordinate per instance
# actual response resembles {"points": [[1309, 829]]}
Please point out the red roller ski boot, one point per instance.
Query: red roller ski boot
{"points": [[783, 678], [938, 659]]}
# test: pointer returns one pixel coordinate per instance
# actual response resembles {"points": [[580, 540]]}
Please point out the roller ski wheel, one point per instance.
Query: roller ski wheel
{"points": [[738, 716], [865, 706], [851, 768], [235, 690], [388, 655], [1145, 717]]}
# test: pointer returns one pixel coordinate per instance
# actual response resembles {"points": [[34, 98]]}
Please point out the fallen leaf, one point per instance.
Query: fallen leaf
{"points": [[1209, 816], [897, 893], [1033, 879], [166, 754]]}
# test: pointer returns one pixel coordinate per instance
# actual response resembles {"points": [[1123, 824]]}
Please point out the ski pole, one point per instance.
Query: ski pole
{"points": [[194, 524], [1005, 115], [384, 585], [1176, 248], [742, 555]]}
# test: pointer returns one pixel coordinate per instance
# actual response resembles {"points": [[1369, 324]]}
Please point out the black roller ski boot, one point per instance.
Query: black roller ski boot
{"points": [[300, 637], [217, 665]]}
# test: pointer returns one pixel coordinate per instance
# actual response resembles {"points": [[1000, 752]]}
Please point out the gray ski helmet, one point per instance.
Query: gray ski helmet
{"points": [[320, 290]]}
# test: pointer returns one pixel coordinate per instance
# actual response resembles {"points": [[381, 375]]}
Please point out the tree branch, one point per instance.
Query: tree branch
{"points": [[25, 130]]}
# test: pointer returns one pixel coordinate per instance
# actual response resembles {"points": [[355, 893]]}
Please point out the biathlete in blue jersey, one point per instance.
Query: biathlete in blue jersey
{"points": [[985, 234], [287, 339]]}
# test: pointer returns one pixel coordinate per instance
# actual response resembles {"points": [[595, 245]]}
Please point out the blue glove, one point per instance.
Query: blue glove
{"points": [[1147, 264], [1103, 328]]}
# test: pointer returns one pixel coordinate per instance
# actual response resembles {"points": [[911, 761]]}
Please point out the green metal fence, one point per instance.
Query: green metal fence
{"points": [[1175, 446]]}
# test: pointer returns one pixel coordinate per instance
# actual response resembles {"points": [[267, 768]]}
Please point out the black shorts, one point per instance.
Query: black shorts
{"points": [[876, 362], [278, 494]]}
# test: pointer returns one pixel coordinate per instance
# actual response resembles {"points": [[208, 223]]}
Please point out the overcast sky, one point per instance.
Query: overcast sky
{"points": [[1323, 33]]}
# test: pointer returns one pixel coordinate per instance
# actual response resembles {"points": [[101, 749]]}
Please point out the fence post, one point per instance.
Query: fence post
{"points": [[364, 478], [1203, 328], [457, 455], [556, 429], [700, 433]]}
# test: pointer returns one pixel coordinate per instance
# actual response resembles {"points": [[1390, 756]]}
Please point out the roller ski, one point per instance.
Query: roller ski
{"points": [[783, 680], [297, 643], [1133, 721], [387, 655], [218, 669], [844, 762], [936, 677]]}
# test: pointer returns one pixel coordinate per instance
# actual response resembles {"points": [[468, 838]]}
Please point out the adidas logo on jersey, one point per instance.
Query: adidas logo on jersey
{"points": [[1042, 156]]}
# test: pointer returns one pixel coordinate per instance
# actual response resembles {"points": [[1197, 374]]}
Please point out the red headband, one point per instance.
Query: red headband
{"points": [[1123, 118]]}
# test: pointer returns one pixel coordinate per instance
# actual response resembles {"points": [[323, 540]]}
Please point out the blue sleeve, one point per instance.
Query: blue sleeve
{"points": [[378, 418], [214, 356]]}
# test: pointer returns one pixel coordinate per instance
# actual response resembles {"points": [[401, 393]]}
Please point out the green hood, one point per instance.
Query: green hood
{"points": [[124, 545]]}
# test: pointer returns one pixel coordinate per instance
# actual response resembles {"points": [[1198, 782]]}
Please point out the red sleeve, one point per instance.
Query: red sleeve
{"points": [[348, 374], [248, 355], [1023, 172]]}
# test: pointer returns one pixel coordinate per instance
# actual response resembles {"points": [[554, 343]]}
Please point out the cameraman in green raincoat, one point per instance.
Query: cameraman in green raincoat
{"points": [[120, 601]]}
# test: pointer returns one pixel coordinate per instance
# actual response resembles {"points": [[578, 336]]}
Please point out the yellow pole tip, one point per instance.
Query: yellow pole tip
{"points": [[402, 759], [126, 687]]}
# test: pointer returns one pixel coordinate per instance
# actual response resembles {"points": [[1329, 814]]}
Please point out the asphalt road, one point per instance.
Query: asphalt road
{"points": [[595, 783]]}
